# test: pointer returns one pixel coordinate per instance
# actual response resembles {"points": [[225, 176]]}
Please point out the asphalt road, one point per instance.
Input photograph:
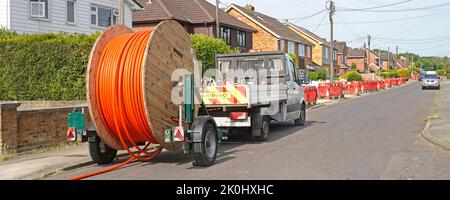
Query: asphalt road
{"points": [[370, 137]]}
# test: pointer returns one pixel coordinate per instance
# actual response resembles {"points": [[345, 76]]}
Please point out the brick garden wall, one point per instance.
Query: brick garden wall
{"points": [[22, 130]]}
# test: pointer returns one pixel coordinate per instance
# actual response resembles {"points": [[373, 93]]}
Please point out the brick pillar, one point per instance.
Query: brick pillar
{"points": [[8, 126]]}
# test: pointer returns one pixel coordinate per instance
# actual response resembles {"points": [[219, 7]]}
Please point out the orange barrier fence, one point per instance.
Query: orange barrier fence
{"points": [[339, 89], [328, 90], [370, 86], [353, 88], [311, 94]]}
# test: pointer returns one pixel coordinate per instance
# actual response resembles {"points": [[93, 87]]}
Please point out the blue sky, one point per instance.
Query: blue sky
{"points": [[424, 31]]}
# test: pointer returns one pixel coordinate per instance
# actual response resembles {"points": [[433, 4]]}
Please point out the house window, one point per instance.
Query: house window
{"points": [[241, 38], [327, 53], [282, 45], [225, 34], [301, 50], [308, 52], [291, 47], [103, 17], [334, 55], [71, 11], [39, 8]]}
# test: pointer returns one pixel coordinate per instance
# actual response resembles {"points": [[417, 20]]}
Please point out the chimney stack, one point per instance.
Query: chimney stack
{"points": [[250, 7]]}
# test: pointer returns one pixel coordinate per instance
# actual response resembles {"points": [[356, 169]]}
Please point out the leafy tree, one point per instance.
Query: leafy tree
{"points": [[206, 48]]}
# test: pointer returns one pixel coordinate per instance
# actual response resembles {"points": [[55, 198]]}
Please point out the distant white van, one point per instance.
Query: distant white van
{"points": [[431, 73]]}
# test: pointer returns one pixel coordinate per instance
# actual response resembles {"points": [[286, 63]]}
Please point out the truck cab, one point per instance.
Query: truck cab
{"points": [[249, 90]]}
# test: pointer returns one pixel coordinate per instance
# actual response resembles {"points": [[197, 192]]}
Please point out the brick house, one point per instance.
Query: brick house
{"points": [[387, 60], [373, 61], [271, 34], [197, 17], [321, 53], [342, 57], [357, 57]]}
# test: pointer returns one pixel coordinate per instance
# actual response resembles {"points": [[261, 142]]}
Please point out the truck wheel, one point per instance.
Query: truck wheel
{"points": [[97, 155], [302, 118], [261, 128], [207, 149]]}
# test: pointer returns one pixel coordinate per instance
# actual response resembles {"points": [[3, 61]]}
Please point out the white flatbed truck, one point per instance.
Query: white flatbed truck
{"points": [[249, 90]]}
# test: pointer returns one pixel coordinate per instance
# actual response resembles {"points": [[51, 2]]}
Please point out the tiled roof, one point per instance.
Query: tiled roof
{"points": [[313, 35], [340, 46], [356, 53], [273, 25], [135, 3], [384, 56], [190, 11]]}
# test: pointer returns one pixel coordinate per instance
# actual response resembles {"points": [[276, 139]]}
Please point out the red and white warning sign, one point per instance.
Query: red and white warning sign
{"points": [[178, 134], [71, 134]]}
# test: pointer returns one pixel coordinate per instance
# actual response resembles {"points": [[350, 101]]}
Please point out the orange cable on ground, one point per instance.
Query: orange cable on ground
{"points": [[120, 96]]}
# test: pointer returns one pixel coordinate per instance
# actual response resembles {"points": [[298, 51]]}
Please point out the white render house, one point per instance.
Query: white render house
{"points": [[71, 16]]}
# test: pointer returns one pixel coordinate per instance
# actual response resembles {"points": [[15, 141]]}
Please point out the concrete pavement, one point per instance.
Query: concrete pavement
{"points": [[370, 137], [37, 165], [438, 124]]}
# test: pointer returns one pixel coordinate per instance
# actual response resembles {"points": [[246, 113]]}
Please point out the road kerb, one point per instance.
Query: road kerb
{"points": [[75, 166], [443, 144]]}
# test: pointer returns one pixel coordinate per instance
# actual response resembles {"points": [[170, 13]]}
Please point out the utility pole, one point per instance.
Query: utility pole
{"points": [[368, 41], [332, 10], [380, 62], [217, 20], [122, 12], [389, 58]]}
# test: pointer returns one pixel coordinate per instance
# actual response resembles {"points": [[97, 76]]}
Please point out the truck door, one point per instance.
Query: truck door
{"points": [[293, 105]]}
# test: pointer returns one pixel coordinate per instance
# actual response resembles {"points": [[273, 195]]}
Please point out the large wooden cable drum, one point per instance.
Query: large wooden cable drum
{"points": [[167, 48]]}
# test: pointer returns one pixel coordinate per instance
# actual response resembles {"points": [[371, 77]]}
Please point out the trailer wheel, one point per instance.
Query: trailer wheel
{"points": [[100, 152], [302, 118], [260, 128], [205, 152]]}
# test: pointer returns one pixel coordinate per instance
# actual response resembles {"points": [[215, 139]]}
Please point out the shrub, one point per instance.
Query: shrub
{"points": [[385, 74], [403, 73], [353, 67], [206, 48], [320, 74], [441, 72], [44, 66], [313, 76], [448, 75], [352, 76]]}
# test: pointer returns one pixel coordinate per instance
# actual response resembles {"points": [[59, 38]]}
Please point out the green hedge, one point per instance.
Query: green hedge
{"points": [[44, 66]]}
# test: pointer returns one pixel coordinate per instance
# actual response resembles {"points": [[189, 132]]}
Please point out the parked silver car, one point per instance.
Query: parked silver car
{"points": [[431, 81]]}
